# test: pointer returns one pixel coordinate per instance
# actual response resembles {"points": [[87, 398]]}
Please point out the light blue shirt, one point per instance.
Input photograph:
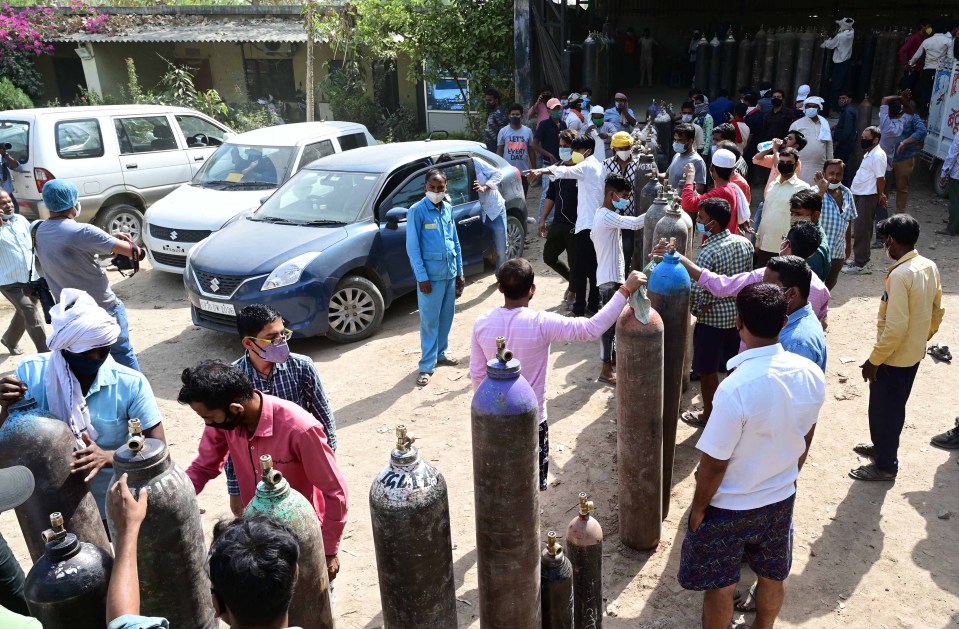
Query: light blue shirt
{"points": [[7, 183], [804, 335], [118, 395], [615, 116], [491, 201], [16, 251], [432, 242]]}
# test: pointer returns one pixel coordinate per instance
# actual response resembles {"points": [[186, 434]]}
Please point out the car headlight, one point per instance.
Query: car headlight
{"points": [[289, 272]]}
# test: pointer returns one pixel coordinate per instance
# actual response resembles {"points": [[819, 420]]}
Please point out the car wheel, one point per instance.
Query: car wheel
{"points": [[936, 184], [515, 237], [122, 217], [355, 310]]}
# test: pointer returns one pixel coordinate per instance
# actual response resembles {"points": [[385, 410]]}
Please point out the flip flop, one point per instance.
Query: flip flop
{"points": [[423, 379], [694, 420], [605, 380], [871, 473], [865, 449], [745, 601], [940, 352], [448, 361]]}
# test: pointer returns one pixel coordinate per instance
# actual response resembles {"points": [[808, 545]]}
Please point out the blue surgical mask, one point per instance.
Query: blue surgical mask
{"points": [[679, 147], [565, 153], [621, 204], [812, 112], [585, 102], [701, 227], [564, 103]]}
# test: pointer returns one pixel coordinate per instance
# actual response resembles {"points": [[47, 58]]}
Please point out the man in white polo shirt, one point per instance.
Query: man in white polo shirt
{"points": [[762, 424], [868, 193]]}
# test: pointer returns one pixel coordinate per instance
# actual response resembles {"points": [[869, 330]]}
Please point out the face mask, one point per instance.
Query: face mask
{"points": [[679, 147], [564, 103], [78, 211], [786, 168], [274, 352], [865, 144], [812, 112], [928, 31], [777, 102], [621, 204], [885, 248], [701, 228], [6, 217], [687, 118], [620, 105], [598, 121], [231, 422], [586, 102], [515, 120], [794, 220], [565, 153], [490, 106], [624, 155], [556, 115], [82, 366], [833, 186], [577, 157], [436, 197]]}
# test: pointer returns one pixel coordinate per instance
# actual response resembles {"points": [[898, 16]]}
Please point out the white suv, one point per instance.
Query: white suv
{"points": [[123, 158], [242, 172]]}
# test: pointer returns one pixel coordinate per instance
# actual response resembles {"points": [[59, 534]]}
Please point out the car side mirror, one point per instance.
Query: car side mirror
{"points": [[395, 216], [263, 199], [228, 135]]}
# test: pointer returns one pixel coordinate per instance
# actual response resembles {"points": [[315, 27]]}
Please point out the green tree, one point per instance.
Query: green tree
{"points": [[12, 97]]}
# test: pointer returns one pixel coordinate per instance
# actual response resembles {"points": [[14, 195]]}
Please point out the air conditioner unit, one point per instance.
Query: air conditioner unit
{"points": [[278, 49]]}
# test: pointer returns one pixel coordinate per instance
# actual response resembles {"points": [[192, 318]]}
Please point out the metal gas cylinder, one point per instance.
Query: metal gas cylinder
{"points": [[818, 64], [67, 586], [865, 70], [39, 441], [880, 59], [639, 427], [645, 173], [703, 51], [786, 60], [891, 68], [728, 78], [584, 544], [759, 57], [556, 576], [714, 68], [590, 62], [171, 558], [505, 432], [310, 607], [409, 506], [672, 226], [669, 293], [770, 58], [804, 56], [744, 65], [655, 211]]}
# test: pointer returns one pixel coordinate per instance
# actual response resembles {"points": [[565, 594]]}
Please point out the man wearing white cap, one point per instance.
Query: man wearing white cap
{"points": [[841, 46], [606, 129], [721, 169], [16, 486], [818, 139], [80, 383]]}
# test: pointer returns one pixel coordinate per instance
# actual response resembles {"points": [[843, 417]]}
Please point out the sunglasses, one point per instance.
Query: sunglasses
{"points": [[279, 339]]}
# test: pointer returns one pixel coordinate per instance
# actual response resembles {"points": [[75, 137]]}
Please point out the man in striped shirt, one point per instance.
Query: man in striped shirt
{"points": [[838, 214]]}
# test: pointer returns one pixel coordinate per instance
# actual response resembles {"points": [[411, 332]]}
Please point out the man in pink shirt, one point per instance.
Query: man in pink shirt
{"points": [[529, 334], [246, 424]]}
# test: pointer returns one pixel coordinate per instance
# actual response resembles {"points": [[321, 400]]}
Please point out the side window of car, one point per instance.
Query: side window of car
{"points": [[145, 134], [313, 152], [458, 184], [352, 141], [78, 139], [199, 132], [411, 193]]}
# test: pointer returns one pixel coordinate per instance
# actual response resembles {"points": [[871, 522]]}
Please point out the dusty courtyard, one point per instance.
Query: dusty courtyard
{"points": [[866, 554]]}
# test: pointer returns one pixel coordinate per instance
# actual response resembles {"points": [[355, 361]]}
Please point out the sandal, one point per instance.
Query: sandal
{"points": [[745, 601], [611, 380], [693, 419], [448, 361], [423, 379], [871, 473], [940, 352], [866, 450]]}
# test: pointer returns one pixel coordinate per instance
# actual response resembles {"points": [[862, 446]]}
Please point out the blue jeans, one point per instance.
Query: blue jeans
{"points": [[122, 350], [497, 227], [11, 581], [436, 319]]}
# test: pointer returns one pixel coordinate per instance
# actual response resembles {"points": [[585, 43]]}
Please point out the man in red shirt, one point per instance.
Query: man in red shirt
{"points": [[721, 170], [246, 424], [909, 48]]}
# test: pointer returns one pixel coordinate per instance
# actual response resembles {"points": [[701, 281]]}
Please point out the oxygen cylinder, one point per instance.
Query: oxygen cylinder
{"points": [[880, 60], [664, 134], [39, 441], [67, 586], [744, 65], [714, 71], [275, 499], [759, 58], [410, 509], [671, 227], [786, 60], [556, 578], [770, 58], [863, 115], [818, 67], [669, 293], [506, 493], [892, 63], [590, 63], [703, 51], [584, 543], [804, 54], [655, 211], [728, 78], [688, 222], [645, 172], [639, 422], [865, 70], [171, 558]]}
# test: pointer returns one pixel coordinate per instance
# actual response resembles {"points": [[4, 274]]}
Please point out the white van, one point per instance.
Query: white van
{"points": [[123, 158], [243, 171]]}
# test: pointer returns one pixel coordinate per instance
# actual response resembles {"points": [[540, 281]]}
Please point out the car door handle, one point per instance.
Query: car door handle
{"points": [[132, 165], [198, 159], [467, 221]]}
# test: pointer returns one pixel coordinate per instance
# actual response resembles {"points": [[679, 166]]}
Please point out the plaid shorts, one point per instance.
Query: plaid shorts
{"points": [[712, 555]]}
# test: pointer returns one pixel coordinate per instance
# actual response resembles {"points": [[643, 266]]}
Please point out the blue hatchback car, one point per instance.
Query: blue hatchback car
{"points": [[328, 248]]}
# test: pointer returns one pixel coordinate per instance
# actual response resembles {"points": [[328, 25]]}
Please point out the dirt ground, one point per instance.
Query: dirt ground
{"points": [[866, 555]]}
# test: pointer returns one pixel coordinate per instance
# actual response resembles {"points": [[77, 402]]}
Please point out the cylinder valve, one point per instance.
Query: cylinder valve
{"points": [[585, 505], [503, 354], [56, 532], [404, 440], [270, 475], [552, 545], [136, 439]]}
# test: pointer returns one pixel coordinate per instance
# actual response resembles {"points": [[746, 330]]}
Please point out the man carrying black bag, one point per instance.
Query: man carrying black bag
{"points": [[18, 280]]}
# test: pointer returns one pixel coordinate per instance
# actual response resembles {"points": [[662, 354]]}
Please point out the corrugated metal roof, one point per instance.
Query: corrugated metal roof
{"points": [[207, 31]]}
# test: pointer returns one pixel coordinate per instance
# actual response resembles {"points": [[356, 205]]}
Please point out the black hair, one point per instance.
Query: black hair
{"points": [[924, 21], [731, 147], [723, 92], [515, 107], [940, 26], [443, 158], [516, 278], [740, 109], [718, 210], [777, 91], [435, 172], [687, 105], [699, 98], [492, 92], [582, 142], [793, 272], [902, 228], [833, 162], [804, 238], [253, 568], [789, 152], [752, 99], [685, 131], [214, 384], [569, 135], [765, 85], [586, 89], [807, 200], [845, 92], [763, 309], [723, 173], [254, 318], [745, 89], [618, 183], [801, 141], [726, 131], [693, 91], [874, 132]]}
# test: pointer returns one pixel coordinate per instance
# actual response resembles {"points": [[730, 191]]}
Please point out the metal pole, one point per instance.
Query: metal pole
{"points": [[521, 52], [310, 27]]}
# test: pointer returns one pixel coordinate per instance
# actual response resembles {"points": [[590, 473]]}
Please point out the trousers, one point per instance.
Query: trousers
{"points": [[862, 227], [840, 75], [953, 187], [27, 317], [560, 238], [902, 172], [497, 229], [436, 319], [607, 342], [645, 70], [11, 581], [584, 272], [122, 350], [887, 412]]}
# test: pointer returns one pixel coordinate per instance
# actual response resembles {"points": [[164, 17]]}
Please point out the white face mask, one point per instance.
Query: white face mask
{"points": [[624, 155], [833, 186], [78, 211], [687, 118], [435, 197]]}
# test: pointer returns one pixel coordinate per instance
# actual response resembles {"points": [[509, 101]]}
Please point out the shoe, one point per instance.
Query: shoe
{"points": [[448, 361], [13, 351], [530, 220], [948, 440], [878, 245], [857, 270]]}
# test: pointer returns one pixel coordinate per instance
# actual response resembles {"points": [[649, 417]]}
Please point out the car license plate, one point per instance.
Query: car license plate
{"points": [[217, 307], [173, 249]]}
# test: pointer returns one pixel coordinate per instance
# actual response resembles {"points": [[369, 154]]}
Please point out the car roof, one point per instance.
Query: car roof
{"points": [[93, 110], [387, 157], [296, 133]]}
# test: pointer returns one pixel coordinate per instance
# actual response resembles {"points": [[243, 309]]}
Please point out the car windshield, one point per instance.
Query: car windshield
{"points": [[245, 167], [318, 197]]}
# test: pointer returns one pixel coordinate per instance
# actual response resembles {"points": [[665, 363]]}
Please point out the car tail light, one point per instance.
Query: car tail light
{"points": [[42, 176]]}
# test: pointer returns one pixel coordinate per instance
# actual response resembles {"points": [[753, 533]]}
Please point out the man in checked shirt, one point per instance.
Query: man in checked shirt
{"points": [[272, 369], [715, 337]]}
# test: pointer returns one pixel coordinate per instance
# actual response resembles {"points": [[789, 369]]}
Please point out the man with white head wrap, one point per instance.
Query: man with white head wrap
{"points": [[818, 139], [79, 382]]}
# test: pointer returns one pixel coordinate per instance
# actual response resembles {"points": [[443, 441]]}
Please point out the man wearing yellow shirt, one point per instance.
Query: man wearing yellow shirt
{"points": [[909, 315]]}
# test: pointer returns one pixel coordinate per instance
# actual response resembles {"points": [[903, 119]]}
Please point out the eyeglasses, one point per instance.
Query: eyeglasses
{"points": [[279, 339]]}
